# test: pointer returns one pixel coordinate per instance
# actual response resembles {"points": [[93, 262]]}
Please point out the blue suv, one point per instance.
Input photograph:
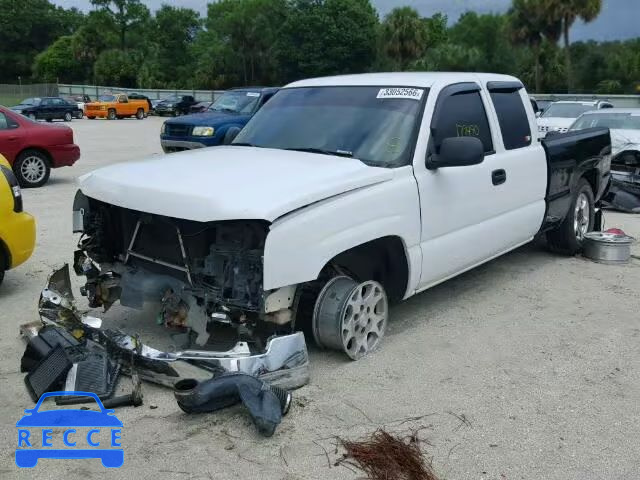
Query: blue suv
{"points": [[224, 119]]}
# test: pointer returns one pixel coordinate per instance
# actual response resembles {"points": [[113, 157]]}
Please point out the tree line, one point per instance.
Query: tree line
{"points": [[272, 42]]}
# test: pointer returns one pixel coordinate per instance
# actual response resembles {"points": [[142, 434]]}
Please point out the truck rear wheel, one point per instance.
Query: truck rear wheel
{"points": [[111, 115], [568, 237], [140, 114]]}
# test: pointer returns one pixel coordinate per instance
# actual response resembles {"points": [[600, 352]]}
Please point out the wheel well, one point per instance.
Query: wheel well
{"points": [[383, 260], [38, 149], [591, 176]]}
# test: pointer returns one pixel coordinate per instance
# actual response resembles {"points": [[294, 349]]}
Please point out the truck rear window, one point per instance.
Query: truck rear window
{"points": [[512, 118]]}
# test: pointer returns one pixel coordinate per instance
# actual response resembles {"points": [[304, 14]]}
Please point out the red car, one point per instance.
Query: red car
{"points": [[33, 148]]}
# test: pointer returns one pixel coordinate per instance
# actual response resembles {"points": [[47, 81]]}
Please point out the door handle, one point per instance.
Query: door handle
{"points": [[498, 177]]}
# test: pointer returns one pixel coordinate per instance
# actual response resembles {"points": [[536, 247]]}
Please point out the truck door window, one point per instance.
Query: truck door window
{"points": [[512, 118], [464, 115]]}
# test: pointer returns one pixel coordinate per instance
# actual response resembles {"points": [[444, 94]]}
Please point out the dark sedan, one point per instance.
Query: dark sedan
{"points": [[47, 108]]}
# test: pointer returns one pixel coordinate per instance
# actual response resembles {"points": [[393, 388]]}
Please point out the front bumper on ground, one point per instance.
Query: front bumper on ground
{"points": [[283, 363], [18, 232], [64, 155], [177, 145]]}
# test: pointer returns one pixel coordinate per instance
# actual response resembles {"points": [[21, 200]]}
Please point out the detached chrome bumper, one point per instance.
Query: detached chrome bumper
{"points": [[284, 363]]}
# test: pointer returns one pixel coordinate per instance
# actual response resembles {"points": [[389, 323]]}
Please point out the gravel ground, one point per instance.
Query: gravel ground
{"points": [[525, 368]]}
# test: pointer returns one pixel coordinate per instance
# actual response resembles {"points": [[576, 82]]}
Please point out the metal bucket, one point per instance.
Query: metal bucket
{"points": [[606, 247]]}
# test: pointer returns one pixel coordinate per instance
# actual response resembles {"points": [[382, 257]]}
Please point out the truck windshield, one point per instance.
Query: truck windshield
{"points": [[621, 121], [107, 98], [376, 125], [236, 102], [567, 110]]}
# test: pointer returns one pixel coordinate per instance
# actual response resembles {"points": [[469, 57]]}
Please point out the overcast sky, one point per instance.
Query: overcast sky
{"points": [[620, 19]]}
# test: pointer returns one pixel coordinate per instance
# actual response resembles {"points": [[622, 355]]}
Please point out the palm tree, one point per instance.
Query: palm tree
{"points": [[404, 36], [569, 11], [532, 22]]}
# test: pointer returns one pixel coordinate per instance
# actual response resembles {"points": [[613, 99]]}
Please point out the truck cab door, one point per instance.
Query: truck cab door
{"points": [[44, 110], [468, 211], [123, 107]]}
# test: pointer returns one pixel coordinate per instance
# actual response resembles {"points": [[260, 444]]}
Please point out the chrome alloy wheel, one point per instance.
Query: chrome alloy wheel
{"points": [[33, 169], [351, 317], [582, 216]]}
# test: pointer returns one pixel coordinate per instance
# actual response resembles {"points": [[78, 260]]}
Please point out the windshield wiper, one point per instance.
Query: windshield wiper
{"points": [[339, 153]]}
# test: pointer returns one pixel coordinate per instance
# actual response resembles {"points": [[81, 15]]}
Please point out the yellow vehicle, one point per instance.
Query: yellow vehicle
{"points": [[17, 229], [114, 106]]}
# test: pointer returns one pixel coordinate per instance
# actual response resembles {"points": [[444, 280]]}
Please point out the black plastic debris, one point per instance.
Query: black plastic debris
{"points": [[266, 404], [43, 344], [94, 373], [49, 374]]}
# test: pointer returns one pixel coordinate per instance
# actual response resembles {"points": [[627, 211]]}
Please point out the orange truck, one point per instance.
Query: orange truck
{"points": [[112, 106]]}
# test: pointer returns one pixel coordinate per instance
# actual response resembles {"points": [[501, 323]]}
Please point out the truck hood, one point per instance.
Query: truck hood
{"points": [[229, 183], [210, 119]]}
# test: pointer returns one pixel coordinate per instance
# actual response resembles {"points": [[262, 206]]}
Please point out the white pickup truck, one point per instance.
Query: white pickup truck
{"points": [[341, 195]]}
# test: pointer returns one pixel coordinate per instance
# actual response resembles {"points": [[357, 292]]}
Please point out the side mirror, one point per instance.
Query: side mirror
{"points": [[457, 152], [538, 114]]}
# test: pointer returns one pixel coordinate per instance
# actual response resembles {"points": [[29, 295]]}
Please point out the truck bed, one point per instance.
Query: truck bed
{"points": [[571, 156]]}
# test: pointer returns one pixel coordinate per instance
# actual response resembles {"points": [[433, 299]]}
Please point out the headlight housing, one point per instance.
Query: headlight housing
{"points": [[15, 188], [203, 131]]}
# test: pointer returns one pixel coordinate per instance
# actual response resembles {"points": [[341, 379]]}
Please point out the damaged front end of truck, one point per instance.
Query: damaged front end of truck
{"points": [[205, 279]]}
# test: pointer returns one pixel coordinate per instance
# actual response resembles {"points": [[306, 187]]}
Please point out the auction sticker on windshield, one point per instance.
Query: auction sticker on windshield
{"points": [[69, 434], [400, 92]]}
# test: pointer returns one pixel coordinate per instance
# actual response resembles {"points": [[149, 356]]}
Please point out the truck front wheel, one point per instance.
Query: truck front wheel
{"points": [[568, 237], [140, 114], [350, 316]]}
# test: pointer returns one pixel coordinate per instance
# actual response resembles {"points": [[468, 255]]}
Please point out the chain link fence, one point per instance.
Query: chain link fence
{"points": [[12, 94], [95, 90]]}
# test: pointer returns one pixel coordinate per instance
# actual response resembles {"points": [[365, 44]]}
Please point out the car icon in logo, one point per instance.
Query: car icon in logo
{"points": [[36, 441]]}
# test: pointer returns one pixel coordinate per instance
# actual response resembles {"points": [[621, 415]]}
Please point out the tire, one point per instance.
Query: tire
{"points": [[140, 114], [567, 238], [230, 135], [111, 115], [68, 117], [32, 169], [350, 317]]}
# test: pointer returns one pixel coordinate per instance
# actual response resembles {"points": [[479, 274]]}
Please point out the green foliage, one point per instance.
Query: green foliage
{"points": [[327, 37], [57, 63], [124, 16], [27, 27], [272, 42], [118, 67]]}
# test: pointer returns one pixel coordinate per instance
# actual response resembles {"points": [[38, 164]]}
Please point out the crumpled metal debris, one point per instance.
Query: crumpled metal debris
{"points": [[283, 363]]}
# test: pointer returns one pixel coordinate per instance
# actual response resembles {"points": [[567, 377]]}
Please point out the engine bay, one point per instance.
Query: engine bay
{"points": [[200, 273]]}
